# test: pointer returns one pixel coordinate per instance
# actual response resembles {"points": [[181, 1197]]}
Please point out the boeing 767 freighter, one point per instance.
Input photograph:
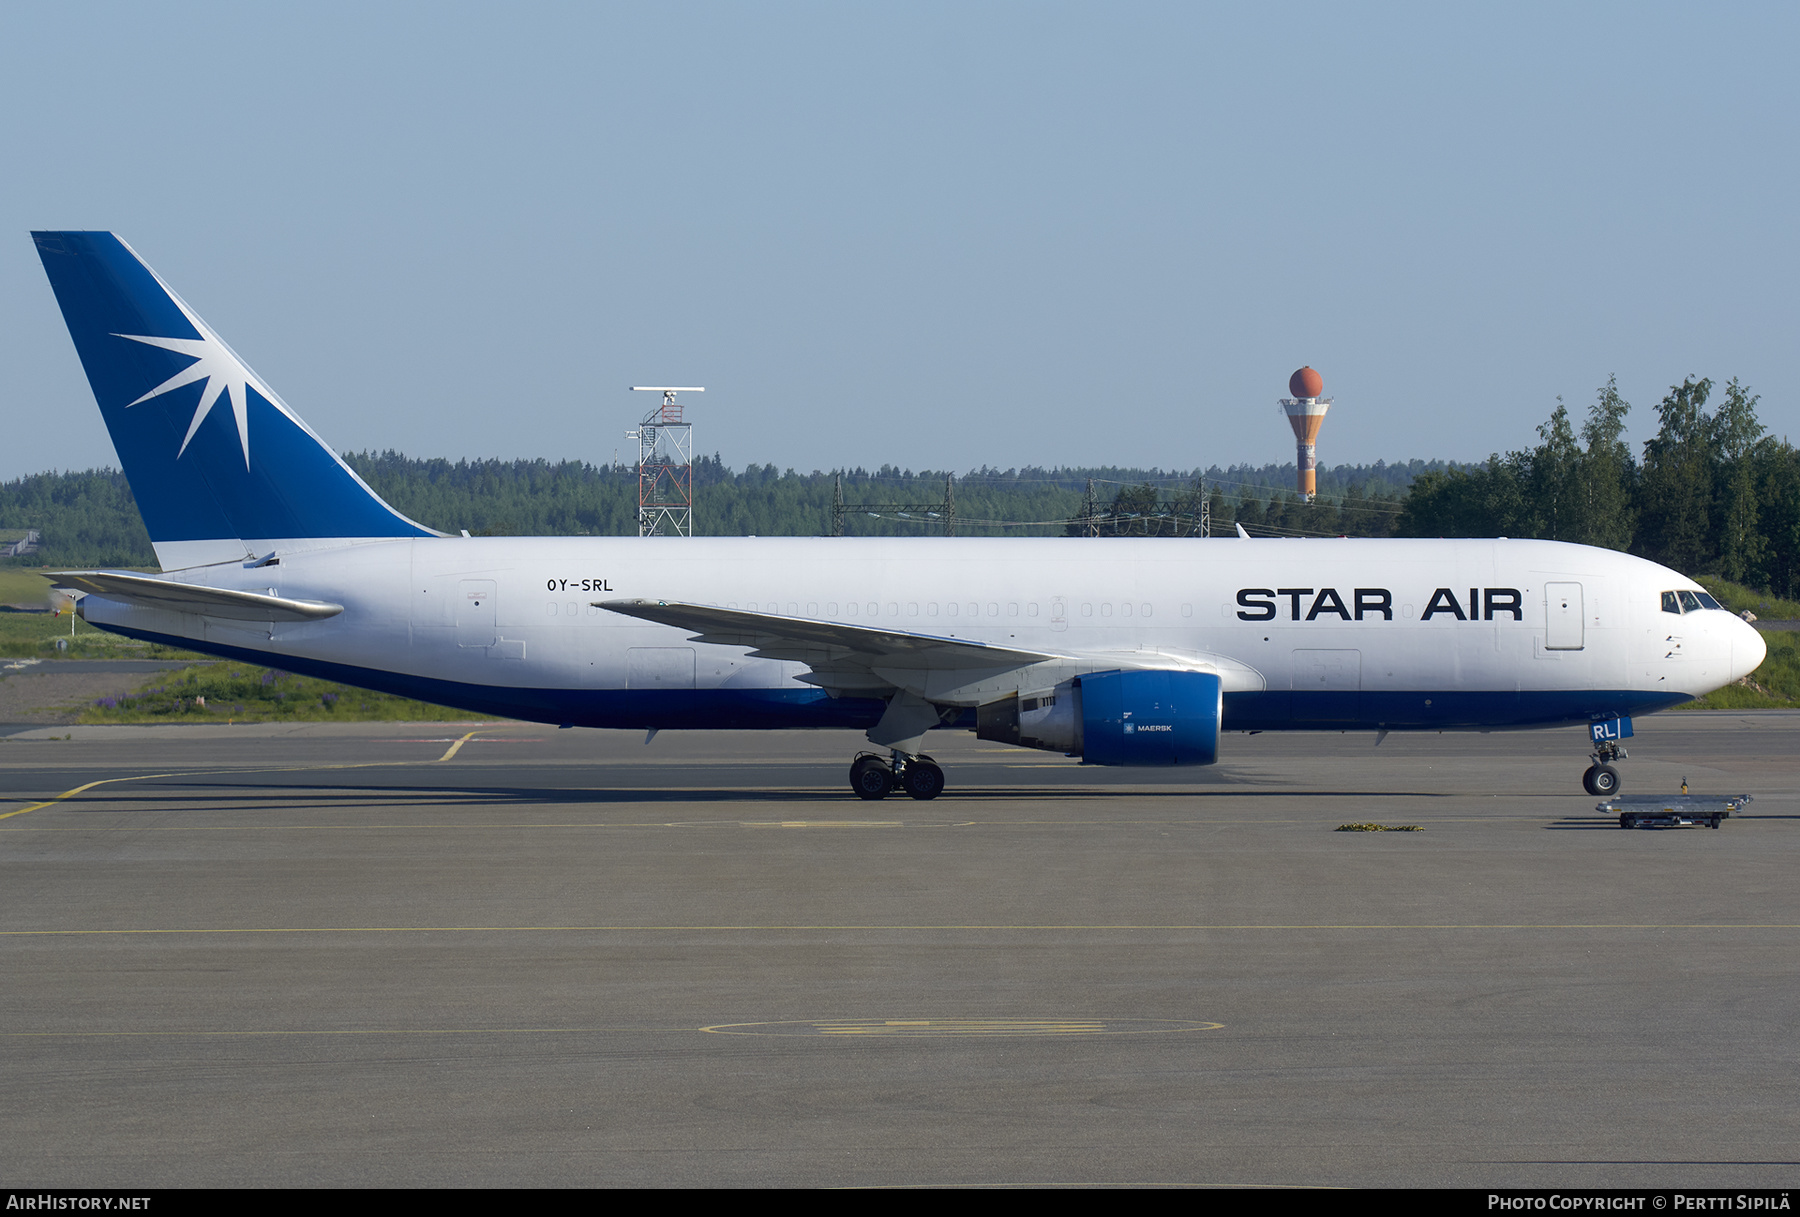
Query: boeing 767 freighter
{"points": [[1119, 652]]}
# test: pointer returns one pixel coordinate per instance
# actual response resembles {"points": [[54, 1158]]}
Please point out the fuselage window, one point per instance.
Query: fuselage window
{"points": [[1187, 610], [931, 609], [1012, 609], [949, 609], [1707, 601], [1145, 611], [1690, 603], [1106, 609], [1670, 604], [1125, 609], [1087, 610], [1031, 609], [912, 609], [893, 608]]}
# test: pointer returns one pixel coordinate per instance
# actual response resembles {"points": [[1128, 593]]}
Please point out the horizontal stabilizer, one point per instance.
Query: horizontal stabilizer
{"points": [[147, 592]]}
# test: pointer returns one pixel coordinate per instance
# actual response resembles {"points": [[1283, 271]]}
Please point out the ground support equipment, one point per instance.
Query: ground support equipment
{"points": [[1673, 810]]}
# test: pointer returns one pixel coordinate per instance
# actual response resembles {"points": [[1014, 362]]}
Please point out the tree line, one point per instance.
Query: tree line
{"points": [[571, 498], [1206, 508], [90, 518], [1713, 494]]}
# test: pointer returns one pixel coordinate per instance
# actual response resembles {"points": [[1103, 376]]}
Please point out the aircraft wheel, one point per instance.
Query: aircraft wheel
{"points": [[1605, 781], [870, 778], [923, 779], [1587, 779]]}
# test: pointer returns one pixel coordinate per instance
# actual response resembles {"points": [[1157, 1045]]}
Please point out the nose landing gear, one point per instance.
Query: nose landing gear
{"points": [[873, 778], [1601, 778]]}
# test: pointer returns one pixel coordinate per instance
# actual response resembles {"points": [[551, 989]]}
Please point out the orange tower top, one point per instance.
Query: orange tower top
{"points": [[1306, 383]]}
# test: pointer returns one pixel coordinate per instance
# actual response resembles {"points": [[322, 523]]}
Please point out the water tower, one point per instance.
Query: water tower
{"points": [[1305, 412]]}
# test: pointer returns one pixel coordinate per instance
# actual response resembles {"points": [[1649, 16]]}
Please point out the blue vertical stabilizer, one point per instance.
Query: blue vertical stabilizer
{"points": [[221, 467]]}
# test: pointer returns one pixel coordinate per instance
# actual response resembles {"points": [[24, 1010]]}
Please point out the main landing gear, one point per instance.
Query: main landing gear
{"points": [[873, 778], [1601, 778]]}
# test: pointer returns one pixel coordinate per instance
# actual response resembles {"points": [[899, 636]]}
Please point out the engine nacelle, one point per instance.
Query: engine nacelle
{"points": [[1128, 717]]}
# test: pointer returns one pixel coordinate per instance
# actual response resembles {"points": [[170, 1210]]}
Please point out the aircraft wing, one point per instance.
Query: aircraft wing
{"points": [[148, 592], [860, 660], [809, 640]]}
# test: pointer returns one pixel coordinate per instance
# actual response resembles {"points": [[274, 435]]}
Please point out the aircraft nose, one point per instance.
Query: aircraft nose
{"points": [[1748, 650]]}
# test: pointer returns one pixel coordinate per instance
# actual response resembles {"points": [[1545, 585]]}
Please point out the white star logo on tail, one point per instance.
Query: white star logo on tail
{"points": [[214, 362]]}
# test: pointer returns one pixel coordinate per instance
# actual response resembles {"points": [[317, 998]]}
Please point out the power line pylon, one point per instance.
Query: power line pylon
{"points": [[944, 512]]}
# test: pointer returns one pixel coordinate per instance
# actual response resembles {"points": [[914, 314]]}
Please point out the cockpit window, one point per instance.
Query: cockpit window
{"points": [[1688, 602]]}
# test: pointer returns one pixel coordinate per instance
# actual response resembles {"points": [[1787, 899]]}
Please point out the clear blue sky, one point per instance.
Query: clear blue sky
{"points": [[936, 235]]}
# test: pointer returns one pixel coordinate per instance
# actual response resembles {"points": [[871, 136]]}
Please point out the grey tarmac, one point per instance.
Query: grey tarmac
{"points": [[501, 954]]}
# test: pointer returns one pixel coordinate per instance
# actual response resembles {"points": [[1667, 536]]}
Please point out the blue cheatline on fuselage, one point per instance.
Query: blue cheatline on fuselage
{"points": [[746, 709], [664, 709], [197, 476]]}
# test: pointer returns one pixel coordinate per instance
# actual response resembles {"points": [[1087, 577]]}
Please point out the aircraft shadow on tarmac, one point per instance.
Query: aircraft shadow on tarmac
{"points": [[1593, 823]]}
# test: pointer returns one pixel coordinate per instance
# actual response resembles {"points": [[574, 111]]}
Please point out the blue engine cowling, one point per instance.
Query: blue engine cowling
{"points": [[1115, 718], [1150, 718]]}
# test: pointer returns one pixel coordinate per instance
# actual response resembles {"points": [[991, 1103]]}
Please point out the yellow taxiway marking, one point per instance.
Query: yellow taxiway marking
{"points": [[445, 826], [821, 824], [190, 773], [909, 1028], [453, 748], [919, 1028], [889, 929], [223, 1031]]}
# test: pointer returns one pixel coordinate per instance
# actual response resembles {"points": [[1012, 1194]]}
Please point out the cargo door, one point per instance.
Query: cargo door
{"points": [[475, 613], [1562, 617], [1327, 686], [659, 668]]}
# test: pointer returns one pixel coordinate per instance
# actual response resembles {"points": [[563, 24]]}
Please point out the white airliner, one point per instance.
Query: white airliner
{"points": [[1120, 652]]}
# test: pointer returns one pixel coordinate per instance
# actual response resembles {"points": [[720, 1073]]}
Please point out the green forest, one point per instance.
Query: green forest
{"points": [[90, 518], [1712, 493]]}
